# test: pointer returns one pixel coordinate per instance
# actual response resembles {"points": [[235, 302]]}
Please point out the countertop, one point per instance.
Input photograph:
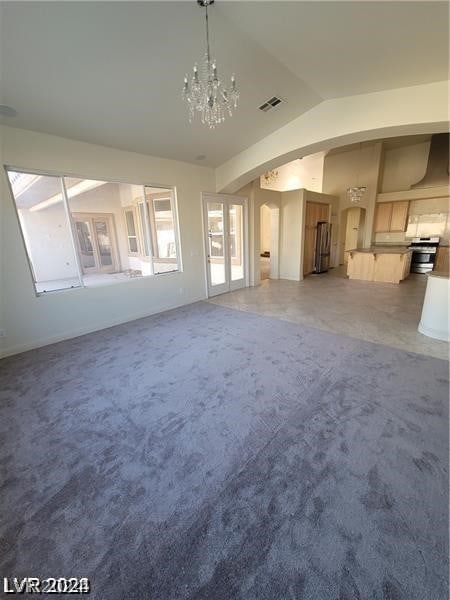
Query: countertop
{"points": [[383, 250]]}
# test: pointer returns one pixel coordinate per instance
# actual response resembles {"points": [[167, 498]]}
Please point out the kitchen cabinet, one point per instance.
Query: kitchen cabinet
{"points": [[387, 264], [391, 216], [399, 216], [383, 217]]}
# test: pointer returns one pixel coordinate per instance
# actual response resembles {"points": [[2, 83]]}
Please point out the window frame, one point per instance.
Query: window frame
{"points": [[7, 168], [132, 209], [151, 200]]}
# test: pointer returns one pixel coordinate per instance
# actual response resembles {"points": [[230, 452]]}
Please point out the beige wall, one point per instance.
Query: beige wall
{"points": [[353, 167], [404, 166], [30, 321], [257, 197], [291, 219]]}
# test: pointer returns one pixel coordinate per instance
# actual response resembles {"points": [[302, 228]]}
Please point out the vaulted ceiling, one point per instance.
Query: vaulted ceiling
{"points": [[111, 73]]}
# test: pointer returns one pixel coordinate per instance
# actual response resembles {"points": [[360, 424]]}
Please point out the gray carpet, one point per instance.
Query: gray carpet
{"points": [[214, 454]]}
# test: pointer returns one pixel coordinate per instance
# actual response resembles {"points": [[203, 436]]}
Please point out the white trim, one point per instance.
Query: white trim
{"points": [[86, 330], [78, 176], [170, 190], [226, 200]]}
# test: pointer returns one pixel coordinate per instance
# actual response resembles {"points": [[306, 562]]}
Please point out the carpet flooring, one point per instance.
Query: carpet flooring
{"points": [[208, 453]]}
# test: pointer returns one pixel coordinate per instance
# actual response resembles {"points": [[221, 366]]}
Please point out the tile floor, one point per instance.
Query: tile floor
{"points": [[383, 313]]}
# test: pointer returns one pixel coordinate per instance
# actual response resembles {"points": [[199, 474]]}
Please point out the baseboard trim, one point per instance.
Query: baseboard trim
{"points": [[18, 349]]}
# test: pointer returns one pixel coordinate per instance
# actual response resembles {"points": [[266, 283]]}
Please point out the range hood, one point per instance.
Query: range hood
{"points": [[437, 173]]}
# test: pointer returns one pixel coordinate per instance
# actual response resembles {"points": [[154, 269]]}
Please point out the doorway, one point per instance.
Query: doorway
{"points": [[225, 224], [352, 231], [269, 222], [96, 242]]}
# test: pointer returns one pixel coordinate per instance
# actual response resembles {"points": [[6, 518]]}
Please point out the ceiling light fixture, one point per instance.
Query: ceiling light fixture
{"points": [[206, 94], [270, 176], [356, 193]]}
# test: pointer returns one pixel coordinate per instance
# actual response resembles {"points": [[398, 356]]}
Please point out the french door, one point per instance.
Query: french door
{"points": [[95, 241], [225, 221]]}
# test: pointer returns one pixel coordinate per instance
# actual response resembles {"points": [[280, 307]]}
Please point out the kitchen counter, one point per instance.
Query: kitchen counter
{"points": [[379, 263], [383, 250]]}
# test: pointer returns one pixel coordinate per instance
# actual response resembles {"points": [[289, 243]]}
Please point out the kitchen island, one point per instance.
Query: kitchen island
{"points": [[379, 263]]}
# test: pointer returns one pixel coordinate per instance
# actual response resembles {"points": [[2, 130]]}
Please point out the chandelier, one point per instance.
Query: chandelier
{"points": [[355, 193], [205, 93], [270, 176]]}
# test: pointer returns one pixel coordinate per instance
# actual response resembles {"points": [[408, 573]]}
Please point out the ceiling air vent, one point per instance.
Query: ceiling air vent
{"points": [[274, 101]]}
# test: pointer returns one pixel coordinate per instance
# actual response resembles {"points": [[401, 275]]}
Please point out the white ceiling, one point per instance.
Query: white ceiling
{"points": [[111, 72]]}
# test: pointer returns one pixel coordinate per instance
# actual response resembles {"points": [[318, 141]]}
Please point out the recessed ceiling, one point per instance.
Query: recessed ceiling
{"points": [[111, 73]]}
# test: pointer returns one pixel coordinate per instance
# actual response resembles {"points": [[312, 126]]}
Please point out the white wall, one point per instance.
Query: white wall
{"points": [[31, 321], [49, 243], [302, 173]]}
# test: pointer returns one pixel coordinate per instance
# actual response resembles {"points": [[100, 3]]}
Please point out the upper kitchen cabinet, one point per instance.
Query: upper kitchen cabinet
{"points": [[399, 218], [391, 216]]}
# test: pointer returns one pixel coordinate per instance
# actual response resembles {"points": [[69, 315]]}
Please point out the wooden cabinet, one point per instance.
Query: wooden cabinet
{"points": [[387, 265], [399, 216], [391, 216], [383, 217]]}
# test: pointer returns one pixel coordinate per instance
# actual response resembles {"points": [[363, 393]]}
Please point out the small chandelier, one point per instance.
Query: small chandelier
{"points": [[355, 194], [206, 93], [270, 176]]}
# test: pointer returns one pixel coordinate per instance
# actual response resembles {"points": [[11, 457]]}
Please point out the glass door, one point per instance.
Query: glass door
{"points": [[104, 244], [95, 240], [85, 245], [224, 218]]}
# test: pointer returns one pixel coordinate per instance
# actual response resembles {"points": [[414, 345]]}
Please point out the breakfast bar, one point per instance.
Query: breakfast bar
{"points": [[383, 263]]}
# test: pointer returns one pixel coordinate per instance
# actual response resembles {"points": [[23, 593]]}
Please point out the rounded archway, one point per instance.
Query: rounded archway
{"points": [[352, 224], [340, 122], [269, 240]]}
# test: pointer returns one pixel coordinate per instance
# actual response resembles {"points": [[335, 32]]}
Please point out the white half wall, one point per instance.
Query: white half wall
{"points": [[341, 121], [30, 321]]}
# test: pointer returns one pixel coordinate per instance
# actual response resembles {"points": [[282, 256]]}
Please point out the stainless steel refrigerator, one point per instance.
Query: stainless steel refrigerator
{"points": [[322, 249]]}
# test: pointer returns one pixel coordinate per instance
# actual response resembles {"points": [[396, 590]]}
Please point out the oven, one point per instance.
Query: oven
{"points": [[424, 251]]}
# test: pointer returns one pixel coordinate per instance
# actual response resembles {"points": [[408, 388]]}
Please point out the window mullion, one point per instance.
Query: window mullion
{"points": [[72, 230], [148, 231]]}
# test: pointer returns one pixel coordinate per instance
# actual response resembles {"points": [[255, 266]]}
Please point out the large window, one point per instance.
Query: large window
{"points": [[82, 232]]}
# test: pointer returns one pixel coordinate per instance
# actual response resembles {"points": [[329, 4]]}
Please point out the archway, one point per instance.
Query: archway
{"points": [[339, 122], [269, 241], [351, 230]]}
